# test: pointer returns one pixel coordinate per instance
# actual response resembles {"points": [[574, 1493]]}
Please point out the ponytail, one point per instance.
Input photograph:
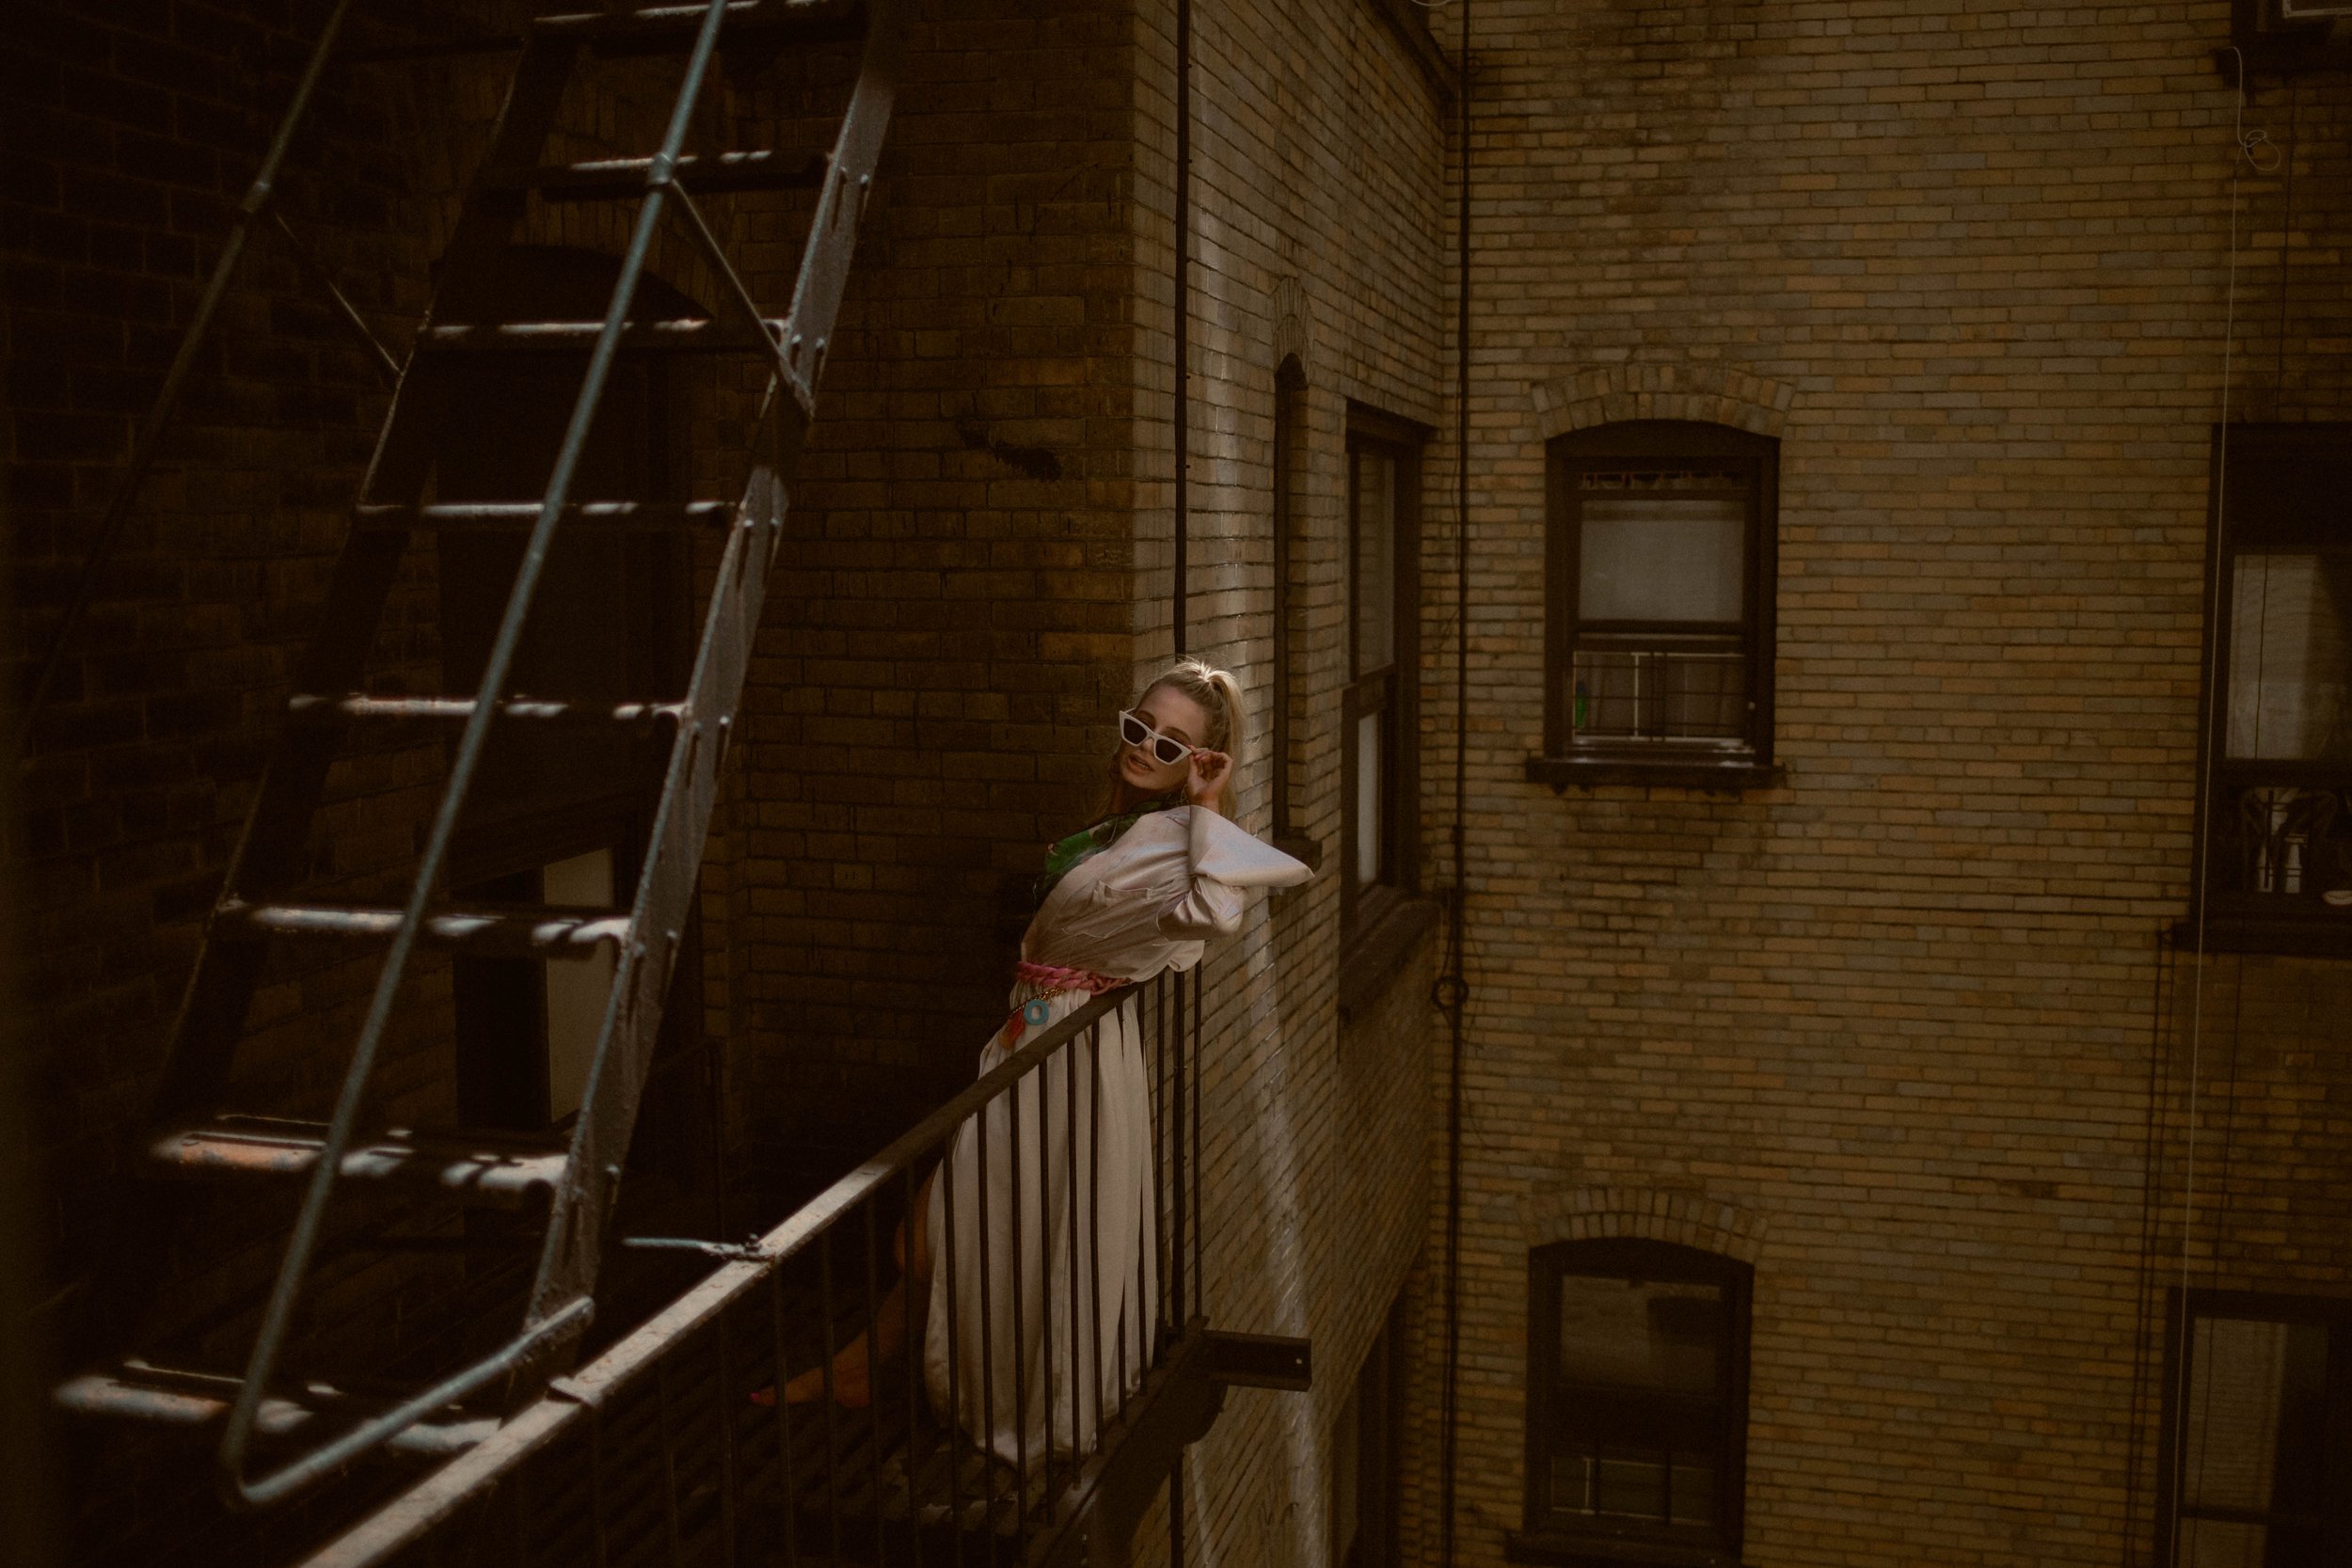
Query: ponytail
{"points": [[1220, 697], [1220, 694]]}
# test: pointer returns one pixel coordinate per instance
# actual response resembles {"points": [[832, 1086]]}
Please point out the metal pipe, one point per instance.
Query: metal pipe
{"points": [[257, 200], [1183, 308]]}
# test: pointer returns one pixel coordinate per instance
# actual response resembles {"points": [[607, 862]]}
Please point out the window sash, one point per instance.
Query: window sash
{"points": [[1687, 465], [2252, 1414], [1616, 1461]]}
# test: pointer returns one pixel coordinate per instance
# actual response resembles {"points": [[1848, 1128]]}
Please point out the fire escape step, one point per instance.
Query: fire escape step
{"points": [[672, 27], [639, 716], [608, 179], [686, 334], [516, 932], [498, 1170], [166, 1396], [637, 516]]}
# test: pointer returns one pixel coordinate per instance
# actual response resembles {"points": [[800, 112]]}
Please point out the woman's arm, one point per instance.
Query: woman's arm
{"points": [[1209, 907]]}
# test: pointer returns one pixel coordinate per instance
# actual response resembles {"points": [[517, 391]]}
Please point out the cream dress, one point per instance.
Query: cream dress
{"points": [[1149, 902]]}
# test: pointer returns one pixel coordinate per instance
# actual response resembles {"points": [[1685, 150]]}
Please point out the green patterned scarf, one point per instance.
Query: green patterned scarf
{"points": [[1065, 855]]}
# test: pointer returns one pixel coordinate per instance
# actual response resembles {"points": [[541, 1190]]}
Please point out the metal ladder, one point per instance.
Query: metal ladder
{"points": [[192, 1129]]}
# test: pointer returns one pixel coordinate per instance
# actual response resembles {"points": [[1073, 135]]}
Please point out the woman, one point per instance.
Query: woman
{"points": [[1137, 891]]}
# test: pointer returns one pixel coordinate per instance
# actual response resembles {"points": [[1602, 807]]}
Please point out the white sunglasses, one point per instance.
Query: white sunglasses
{"points": [[1135, 732]]}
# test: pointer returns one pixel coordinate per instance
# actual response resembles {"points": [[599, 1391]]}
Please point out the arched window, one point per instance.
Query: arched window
{"points": [[1659, 652], [1637, 1403]]}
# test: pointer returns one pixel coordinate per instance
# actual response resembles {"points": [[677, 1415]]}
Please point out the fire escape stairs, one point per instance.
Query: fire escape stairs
{"points": [[566, 1183], [304, 1428]]}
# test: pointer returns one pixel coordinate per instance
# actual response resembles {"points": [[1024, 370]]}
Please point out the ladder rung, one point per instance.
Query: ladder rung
{"points": [[544, 933], [662, 27], [170, 1398], [688, 336], [473, 1167], [619, 515], [608, 177], [639, 716]]}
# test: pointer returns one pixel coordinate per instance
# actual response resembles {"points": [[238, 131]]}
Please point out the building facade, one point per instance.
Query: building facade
{"points": [[1899, 1100]]}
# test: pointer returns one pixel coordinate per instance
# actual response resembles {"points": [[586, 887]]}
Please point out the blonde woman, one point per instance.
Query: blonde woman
{"points": [[1140, 890]]}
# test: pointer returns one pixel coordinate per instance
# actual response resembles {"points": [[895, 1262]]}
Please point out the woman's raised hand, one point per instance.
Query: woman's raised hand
{"points": [[1207, 777]]}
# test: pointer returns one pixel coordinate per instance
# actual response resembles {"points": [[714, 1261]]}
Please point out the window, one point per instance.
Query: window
{"points": [[1363, 1457], [2258, 1432], [1637, 1403], [1376, 729], [1659, 655], [2276, 856], [2282, 36], [1290, 409]]}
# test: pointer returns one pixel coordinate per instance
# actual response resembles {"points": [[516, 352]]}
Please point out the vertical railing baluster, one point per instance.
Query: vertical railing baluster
{"points": [[1019, 1370], [955, 1384], [669, 1456], [1161, 1099], [916, 1337], [1045, 1253], [873, 1372], [1078, 1318], [1176, 1170], [597, 1529], [787, 1484], [1094, 1217], [987, 1354], [1199, 1093], [726, 1406], [833, 1445]]}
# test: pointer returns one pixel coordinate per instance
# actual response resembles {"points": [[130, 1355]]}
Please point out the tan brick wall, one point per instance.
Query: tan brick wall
{"points": [[1312, 130], [1970, 265]]}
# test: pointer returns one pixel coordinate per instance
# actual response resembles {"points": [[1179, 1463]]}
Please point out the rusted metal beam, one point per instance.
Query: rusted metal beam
{"points": [[641, 516], [472, 1169], [690, 335]]}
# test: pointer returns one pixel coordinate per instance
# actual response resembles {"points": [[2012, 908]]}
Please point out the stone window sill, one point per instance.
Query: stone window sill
{"points": [[1374, 955], [1710, 778], [1600, 1552]]}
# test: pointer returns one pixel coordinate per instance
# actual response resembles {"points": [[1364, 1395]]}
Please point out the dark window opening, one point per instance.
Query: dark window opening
{"points": [[1637, 1403], [2275, 854], [1379, 823], [1289, 541], [2258, 1432], [1364, 1452]]}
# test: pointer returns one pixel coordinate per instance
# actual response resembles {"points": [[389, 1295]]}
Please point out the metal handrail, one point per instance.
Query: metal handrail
{"points": [[447, 1495]]}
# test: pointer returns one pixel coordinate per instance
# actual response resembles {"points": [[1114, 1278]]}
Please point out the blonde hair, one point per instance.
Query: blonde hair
{"points": [[1220, 697]]}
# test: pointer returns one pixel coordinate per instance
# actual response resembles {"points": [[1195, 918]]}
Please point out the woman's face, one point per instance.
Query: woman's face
{"points": [[1176, 716]]}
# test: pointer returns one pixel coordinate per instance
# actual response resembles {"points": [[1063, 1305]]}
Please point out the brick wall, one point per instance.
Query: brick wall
{"points": [[1971, 266]]}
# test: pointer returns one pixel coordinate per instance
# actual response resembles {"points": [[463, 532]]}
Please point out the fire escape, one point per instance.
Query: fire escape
{"points": [[654, 1448]]}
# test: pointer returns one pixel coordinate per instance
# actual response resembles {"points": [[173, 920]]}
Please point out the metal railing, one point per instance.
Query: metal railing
{"points": [[657, 1454]]}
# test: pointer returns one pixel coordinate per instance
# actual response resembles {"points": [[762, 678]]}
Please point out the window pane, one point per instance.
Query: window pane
{"points": [[1369, 801], [577, 988], [1678, 694], [2257, 1400], [2290, 663], [1659, 1335], [1375, 562], [1662, 557]]}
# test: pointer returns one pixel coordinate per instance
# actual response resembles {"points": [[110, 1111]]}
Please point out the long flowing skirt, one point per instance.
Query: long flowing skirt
{"points": [[1044, 1274]]}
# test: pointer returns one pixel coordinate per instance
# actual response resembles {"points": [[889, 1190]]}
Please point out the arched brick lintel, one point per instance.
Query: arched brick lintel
{"points": [[1565, 1213], [1714, 394]]}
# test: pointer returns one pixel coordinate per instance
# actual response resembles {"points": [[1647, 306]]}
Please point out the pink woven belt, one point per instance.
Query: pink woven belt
{"points": [[1052, 979]]}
